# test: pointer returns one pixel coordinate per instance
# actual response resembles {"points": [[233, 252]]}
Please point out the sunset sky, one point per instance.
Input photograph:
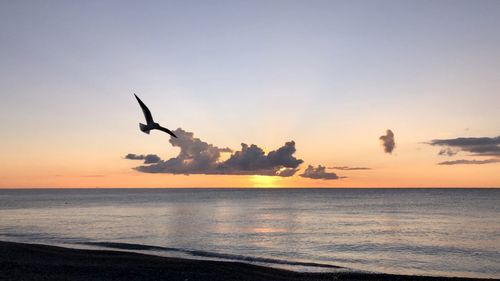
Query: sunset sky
{"points": [[331, 76]]}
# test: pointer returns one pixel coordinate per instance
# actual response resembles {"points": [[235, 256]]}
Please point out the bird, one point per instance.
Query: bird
{"points": [[151, 124]]}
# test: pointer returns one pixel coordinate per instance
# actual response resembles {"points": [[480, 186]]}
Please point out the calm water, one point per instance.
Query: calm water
{"points": [[412, 231]]}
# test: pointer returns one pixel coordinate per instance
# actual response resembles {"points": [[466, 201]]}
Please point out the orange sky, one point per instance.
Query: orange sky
{"points": [[329, 75]]}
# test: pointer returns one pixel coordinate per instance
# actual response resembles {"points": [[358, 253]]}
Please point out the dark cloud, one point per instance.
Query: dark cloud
{"points": [[476, 146], [199, 157], [132, 156], [467, 142], [148, 159], [252, 159], [469, 162], [345, 168], [151, 158], [482, 146], [287, 172], [318, 173], [388, 141], [448, 151], [195, 157]]}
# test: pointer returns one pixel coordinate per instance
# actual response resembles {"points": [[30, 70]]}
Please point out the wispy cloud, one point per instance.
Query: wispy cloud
{"points": [[148, 159], [199, 157], [346, 168], [478, 146], [388, 141], [318, 173], [469, 162], [447, 151]]}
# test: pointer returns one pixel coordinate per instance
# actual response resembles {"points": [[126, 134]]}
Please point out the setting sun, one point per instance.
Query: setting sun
{"points": [[265, 181]]}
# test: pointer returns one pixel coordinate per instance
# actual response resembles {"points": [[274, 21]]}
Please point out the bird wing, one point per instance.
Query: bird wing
{"points": [[145, 110], [166, 131]]}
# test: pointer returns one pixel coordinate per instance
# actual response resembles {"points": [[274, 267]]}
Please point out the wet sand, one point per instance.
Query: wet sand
{"points": [[20, 261]]}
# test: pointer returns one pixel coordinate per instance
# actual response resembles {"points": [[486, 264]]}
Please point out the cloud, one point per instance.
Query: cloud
{"points": [[345, 168], [252, 159], [132, 156], [151, 158], [447, 151], [388, 141], [477, 146], [470, 162], [148, 159], [480, 146], [318, 173], [199, 157]]}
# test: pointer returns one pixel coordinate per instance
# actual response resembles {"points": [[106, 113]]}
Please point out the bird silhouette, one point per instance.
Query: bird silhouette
{"points": [[151, 124]]}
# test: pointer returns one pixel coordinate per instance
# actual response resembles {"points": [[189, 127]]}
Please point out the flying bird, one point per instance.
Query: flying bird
{"points": [[151, 124]]}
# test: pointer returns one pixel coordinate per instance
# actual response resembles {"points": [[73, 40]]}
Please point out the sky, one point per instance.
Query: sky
{"points": [[339, 80]]}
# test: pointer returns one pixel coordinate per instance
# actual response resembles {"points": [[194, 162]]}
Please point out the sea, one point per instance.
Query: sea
{"points": [[437, 232]]}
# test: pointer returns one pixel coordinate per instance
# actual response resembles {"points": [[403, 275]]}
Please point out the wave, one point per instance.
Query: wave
{"points": [[206, 254]]}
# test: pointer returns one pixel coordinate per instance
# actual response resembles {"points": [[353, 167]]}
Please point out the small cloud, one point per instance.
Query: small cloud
{"points": [[388, 141], [132, 156], [469, 162], [346, 168], [151, 158], [148, 159], [287, 172], [447, 151], [318, 173]]}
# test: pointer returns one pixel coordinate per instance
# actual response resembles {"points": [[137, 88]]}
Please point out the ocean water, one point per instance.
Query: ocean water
{"points": [[442, 232]]}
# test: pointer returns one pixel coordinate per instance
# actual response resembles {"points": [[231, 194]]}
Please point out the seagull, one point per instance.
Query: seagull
{"points": [[151, 124]]}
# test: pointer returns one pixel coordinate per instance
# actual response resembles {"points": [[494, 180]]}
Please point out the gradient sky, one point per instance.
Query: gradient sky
{"points": [[330, 75]]}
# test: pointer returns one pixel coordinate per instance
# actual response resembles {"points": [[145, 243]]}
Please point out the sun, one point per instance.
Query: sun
{"points": [[265, 181]]}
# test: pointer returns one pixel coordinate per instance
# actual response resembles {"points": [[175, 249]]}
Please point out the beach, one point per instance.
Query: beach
{"points": [[21, 261]]}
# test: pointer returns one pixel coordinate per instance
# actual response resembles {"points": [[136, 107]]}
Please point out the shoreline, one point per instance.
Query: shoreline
{"points": [[21, 261], [206, 255]]}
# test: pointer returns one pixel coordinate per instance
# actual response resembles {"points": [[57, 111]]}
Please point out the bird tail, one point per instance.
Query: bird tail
{"points": [[144, 128]]}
